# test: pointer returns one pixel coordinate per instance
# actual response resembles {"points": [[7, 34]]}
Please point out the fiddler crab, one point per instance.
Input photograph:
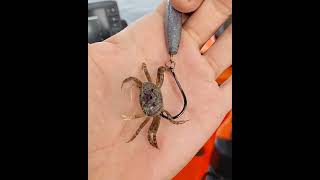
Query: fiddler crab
{"points": [[151, 103]]}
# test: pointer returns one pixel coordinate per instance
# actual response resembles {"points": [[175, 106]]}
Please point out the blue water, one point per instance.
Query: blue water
{"points": [[131, 10]]}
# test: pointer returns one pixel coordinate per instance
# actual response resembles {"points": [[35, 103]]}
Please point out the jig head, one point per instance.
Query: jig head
{"points": [[173, 25]]}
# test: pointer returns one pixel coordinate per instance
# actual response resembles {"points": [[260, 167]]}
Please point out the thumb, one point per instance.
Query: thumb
{"points": [[186, 6]]}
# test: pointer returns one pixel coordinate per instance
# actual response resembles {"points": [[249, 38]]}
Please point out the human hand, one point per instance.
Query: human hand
{"points": [[121, 56]]}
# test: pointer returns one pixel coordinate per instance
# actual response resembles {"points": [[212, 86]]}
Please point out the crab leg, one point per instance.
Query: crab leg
{"points": [[171, 119], [136, 80], [160, 75], [152, 133], [146, 72], [139, 129], [137, 116]]}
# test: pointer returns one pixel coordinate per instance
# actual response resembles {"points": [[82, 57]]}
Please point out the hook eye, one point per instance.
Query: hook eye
{"points": [[183, 95]]}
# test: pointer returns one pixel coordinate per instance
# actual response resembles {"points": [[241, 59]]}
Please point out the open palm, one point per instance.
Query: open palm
{"points": [[121, 56]]}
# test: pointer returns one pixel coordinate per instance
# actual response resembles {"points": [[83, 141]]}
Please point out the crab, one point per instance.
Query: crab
{"points": [[151, 103]]}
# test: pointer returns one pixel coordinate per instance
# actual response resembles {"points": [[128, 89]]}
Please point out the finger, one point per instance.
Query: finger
{"points": [[186, 6], [204, 22], [219, 55], [161, 10], [226, 90]]}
